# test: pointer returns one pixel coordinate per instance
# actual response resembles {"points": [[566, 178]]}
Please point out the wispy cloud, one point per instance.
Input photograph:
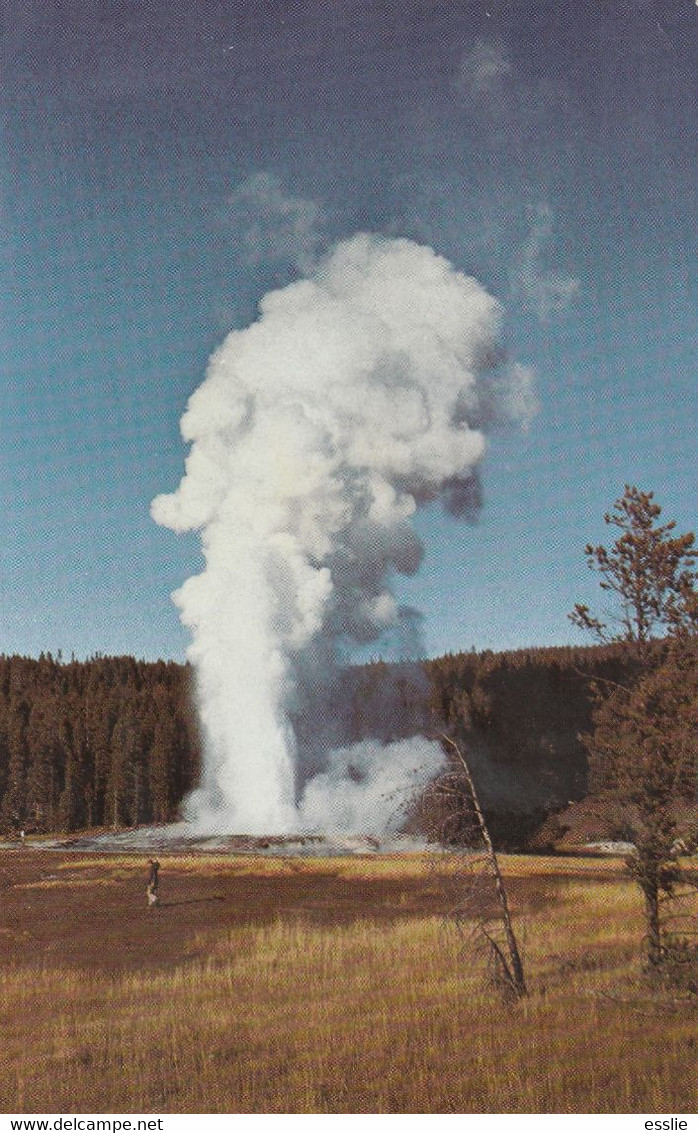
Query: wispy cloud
{"points": [[273, 224], [484, 71], [492, 87], [547, 291]]}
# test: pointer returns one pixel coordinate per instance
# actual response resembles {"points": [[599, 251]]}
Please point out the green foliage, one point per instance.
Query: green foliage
{"points": [[102, 742], [113, 739], [125, 745]]}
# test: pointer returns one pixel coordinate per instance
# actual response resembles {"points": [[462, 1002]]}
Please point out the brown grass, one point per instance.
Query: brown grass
{"points": [[324, 986]]}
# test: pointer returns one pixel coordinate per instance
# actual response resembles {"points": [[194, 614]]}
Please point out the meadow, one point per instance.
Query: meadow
{"points": [[325, 985]]}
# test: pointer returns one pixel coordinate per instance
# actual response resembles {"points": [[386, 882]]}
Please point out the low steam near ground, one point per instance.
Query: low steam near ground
{"points": [[360, 393]]}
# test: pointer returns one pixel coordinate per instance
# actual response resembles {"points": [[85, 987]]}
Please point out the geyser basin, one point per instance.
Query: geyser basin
{"points": [[360, 394], [178, 838]]}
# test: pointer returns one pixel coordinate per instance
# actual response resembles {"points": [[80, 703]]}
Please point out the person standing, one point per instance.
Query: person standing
{"points": [[153, 883]]}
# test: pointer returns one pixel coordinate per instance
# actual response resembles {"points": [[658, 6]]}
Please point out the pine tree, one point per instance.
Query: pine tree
{"points": [[14, 803], [649, 570], [644, 745], [45, 762]]}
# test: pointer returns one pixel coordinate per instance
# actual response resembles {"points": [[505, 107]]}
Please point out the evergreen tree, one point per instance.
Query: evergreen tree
{"points": [[643, 766], [14, 803], [162, 767], [46, 761], [644, 744], [648, 569]]}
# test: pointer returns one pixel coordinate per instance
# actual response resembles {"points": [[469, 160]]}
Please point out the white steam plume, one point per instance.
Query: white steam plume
{"points": [[365, 788], [359, 394]]}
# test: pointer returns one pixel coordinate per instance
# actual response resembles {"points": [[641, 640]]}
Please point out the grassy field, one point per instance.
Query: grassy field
{"points": [[325, 985]]}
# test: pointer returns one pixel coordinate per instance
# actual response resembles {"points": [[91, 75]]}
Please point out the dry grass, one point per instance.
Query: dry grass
{"points": [[340, 989]]}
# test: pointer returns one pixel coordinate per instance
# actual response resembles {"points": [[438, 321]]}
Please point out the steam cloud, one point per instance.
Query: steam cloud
{"points": [[359, 394]]}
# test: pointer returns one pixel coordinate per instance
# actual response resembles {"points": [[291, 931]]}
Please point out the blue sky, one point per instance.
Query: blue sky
{"points": [[164, 164]]}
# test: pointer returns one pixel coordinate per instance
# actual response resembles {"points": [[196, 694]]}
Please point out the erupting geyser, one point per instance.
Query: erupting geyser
{"points": [[359, 394]]}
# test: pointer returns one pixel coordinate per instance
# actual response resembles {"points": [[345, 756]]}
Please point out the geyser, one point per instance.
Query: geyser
{"points": [[359, 394]]}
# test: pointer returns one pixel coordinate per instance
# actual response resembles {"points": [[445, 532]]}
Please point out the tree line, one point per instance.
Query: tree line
{"points": [[106, 742], [112, 741]]}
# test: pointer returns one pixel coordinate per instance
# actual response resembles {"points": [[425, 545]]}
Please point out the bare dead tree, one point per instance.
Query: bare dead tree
{"points": [[469, 871]]}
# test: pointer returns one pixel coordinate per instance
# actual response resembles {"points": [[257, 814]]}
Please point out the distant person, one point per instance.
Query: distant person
{"points": [[153, 883], [22, 837]]}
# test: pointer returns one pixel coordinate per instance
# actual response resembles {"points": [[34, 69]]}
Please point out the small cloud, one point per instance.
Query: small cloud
{"points": [[512, 103], [520, 399], [548, 292], [275, 226], [484, 71]]}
